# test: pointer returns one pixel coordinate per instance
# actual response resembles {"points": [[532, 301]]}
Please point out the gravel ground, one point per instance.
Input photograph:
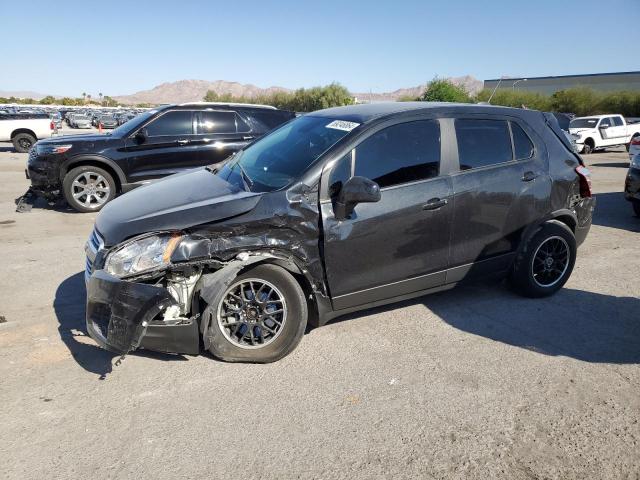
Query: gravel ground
{"points": [[471, 383]]}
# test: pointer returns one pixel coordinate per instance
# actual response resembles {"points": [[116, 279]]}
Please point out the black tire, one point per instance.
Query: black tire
{"points": [[524, 278], [22, 142], [587, 149], [99, 199], [285, 342], [636, 207]]}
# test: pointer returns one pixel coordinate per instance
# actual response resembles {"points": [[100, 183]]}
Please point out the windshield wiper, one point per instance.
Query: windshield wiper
{"points": [[247, 180]]}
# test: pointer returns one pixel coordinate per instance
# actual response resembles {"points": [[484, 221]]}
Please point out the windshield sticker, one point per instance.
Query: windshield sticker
{"points": [[343, 125]]}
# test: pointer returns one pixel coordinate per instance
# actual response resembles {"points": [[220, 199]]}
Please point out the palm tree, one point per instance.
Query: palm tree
{"points": [[100, 95], [84, 97], [89, 98]]}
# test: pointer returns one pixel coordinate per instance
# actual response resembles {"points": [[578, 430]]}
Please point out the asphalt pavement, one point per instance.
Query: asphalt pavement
{"points": [[475, 382]]}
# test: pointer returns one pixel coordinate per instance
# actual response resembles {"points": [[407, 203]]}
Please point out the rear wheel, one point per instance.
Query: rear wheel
{"points": [[22, 142], [88, 188], [260, 318], [546, 262]]}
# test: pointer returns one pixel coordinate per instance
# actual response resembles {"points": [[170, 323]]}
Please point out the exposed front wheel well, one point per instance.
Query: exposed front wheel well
{"points": [[94, 163], [300, 278]]}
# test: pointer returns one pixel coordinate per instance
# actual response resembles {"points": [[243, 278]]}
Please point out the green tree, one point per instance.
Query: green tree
{"points": [[48, 100], [518, 98], [302, 100], [443, 90]]}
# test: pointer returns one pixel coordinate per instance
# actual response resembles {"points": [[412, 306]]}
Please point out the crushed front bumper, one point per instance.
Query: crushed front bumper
{"points": [[121, 316]]}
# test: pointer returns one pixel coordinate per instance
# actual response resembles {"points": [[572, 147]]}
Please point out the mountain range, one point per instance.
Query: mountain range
{"points": [[184, 91]]}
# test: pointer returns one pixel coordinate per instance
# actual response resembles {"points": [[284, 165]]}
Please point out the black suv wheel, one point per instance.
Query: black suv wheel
{"points": [[546, 262], [22, 142], [261, 317], [88, 188]]}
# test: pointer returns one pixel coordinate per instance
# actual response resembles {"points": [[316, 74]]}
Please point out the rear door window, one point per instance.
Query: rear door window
{"points": [[216, 122], [617, 121], [177, 122], [402, 153], [482, 142]]}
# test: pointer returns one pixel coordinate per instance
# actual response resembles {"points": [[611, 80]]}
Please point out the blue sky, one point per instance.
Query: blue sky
{"points": [[118, 47]]}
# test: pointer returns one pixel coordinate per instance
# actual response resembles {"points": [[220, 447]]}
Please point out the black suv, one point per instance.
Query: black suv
{"points": [[336, 211], [90, 170]]}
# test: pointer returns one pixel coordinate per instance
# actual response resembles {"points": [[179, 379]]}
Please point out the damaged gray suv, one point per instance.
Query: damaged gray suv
{"points": [[336, 211]]}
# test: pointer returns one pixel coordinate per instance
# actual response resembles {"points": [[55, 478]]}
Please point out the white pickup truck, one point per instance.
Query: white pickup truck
{"points": [[24, 130], [600, 131]]}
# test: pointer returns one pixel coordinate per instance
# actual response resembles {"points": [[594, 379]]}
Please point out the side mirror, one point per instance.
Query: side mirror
{"points": [[604, 127], [356, 190], [141, 136]]}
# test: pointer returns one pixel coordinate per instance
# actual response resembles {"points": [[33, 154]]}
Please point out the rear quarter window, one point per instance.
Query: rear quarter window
{"points": [[267, 119], [522, 144]]}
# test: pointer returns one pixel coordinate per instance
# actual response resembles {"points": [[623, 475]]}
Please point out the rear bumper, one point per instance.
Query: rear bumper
{"points": [[632, 184], [584, 213], [121, 316]]}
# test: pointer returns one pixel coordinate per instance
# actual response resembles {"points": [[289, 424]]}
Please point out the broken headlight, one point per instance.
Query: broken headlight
{"points": [[141, 255]]}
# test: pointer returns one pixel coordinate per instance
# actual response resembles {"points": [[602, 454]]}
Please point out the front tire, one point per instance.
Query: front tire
{"points": [[587, 149], [22, 142], [546, 262], [260, 318], [88, 188]]}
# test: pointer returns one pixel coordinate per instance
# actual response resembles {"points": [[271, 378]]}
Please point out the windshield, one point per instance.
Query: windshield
{"points": [[132, 124], [583, 123], [281, 157]]}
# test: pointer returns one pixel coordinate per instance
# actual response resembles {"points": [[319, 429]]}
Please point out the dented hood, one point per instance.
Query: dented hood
{"points": [[192, 198]]}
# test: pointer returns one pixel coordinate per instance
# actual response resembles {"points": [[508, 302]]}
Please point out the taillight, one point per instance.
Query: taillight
{"points": [[635, 141], [585, 181], [52, 126]]}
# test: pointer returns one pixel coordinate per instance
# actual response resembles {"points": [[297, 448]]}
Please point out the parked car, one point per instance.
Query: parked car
{"points": [[80, 121], [107, 121], [90, 170], [24, 130], [336, 211], [632, 184], [600, 131], [57, 121], [634, 147]]}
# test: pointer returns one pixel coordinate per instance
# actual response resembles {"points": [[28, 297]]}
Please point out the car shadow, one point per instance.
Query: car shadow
{"points": [[586, 326], [612, 210], [611, 165], [69, 306], [8, 149]]}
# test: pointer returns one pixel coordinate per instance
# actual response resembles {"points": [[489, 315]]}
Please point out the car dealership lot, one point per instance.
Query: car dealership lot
{"points": [[474, 382]]}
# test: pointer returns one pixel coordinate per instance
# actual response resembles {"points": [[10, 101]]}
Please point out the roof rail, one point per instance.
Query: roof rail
{"points": [[231, 104]]}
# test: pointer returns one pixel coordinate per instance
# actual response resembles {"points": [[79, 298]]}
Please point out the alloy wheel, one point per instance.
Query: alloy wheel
{"points": [[252, 313], [550, 261], [90, 189]]}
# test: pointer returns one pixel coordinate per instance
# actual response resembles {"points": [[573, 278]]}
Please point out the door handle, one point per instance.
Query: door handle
{"points": [[247, 137], [529, 176], [183, 142], [435, 204]]}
